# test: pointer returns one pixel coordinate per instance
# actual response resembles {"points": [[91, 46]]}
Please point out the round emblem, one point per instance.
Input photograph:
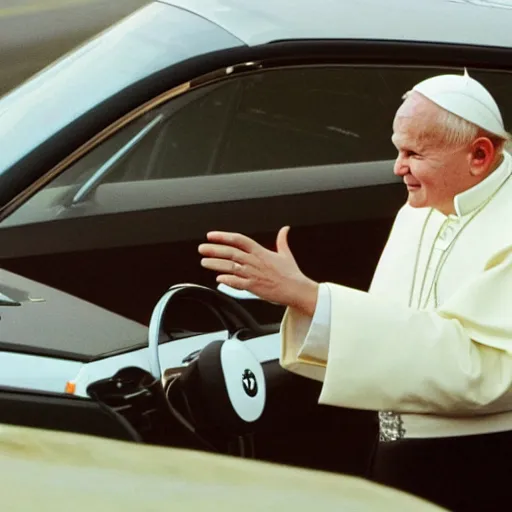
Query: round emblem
{"points": [[249, 383]]}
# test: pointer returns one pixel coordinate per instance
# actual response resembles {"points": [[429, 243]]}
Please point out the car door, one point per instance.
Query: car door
{"points": [[307, 146]]}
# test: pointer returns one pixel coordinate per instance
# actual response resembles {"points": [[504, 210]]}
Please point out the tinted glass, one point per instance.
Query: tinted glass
{"points": [[279, 119]]}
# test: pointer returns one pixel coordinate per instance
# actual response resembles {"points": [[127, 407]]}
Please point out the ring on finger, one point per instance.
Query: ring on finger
{"points": [[237, 267]]}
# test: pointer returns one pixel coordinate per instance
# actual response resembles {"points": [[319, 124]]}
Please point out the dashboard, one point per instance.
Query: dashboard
{"points": [[60, 375]]}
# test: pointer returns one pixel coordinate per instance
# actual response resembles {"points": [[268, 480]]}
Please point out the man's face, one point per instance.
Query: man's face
{"points": [[434, 174]]}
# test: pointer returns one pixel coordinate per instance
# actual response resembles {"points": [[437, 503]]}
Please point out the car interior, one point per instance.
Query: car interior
{"points": [[190, 407]]}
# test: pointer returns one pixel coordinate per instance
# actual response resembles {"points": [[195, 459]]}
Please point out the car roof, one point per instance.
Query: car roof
{"points": [[486, 22]]}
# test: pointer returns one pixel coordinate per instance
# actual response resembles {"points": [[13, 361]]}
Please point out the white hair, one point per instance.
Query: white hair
{"points": [[454, 131]]}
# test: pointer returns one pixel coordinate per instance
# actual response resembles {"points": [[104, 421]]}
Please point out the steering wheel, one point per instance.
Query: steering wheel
{"points": [[225, 385]]}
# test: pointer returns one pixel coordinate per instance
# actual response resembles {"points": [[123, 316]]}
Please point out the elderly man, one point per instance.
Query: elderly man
{"points": [[430, 344]]}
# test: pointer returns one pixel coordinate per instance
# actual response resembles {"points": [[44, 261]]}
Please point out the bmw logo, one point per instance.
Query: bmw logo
{"points": [[249, 383]]}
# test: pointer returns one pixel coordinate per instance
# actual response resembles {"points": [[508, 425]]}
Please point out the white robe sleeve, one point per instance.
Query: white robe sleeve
{"points": [[456, 360], [316, 344], [310, 338]]}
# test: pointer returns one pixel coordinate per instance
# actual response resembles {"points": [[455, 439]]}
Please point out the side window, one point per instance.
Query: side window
{"points": [[325, 116], [277, 119], [178, 140], [310, 117], [185, 142]]}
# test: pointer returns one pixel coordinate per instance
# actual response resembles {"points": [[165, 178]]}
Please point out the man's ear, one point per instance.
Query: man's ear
{"points": [[482, 156]]}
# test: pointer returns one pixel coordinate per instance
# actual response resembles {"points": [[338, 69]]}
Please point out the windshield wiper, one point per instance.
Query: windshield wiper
{"points": [[92, 183]]}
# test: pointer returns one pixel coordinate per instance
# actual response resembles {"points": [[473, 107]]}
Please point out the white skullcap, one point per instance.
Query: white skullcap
{"points": [[465, 97]]}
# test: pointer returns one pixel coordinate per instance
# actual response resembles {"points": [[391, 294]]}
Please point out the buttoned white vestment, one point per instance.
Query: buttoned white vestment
{"points": [[432, 339]]}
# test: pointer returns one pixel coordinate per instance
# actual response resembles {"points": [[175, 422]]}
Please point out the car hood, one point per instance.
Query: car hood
{"points": [[102, 474]]}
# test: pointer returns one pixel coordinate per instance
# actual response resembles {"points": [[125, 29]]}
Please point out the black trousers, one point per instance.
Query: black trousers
{"points": [[461, 474]]}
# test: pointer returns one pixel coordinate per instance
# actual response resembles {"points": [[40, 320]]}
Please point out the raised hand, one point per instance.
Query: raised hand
{"points": [[274, 276]]}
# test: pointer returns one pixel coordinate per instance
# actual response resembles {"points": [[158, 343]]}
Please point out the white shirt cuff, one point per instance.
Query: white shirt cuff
{"points": [[316, 343]]}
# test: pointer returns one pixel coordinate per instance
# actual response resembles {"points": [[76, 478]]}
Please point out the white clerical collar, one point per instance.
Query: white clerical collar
{"points": [[471, 199]]}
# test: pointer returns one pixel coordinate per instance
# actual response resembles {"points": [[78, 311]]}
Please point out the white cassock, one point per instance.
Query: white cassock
{"points": [[432, 339]]}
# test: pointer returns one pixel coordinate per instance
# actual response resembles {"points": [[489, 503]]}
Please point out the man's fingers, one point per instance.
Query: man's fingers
{"points": [[234, 240], [282, 241], [223, 252], [236, 282], [223, 266]]}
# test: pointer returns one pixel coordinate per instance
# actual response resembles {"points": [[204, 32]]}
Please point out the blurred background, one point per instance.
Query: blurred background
{"points": [[33, 33]]}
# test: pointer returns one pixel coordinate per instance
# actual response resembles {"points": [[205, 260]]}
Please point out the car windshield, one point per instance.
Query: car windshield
{"points": [[152, 39]]}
